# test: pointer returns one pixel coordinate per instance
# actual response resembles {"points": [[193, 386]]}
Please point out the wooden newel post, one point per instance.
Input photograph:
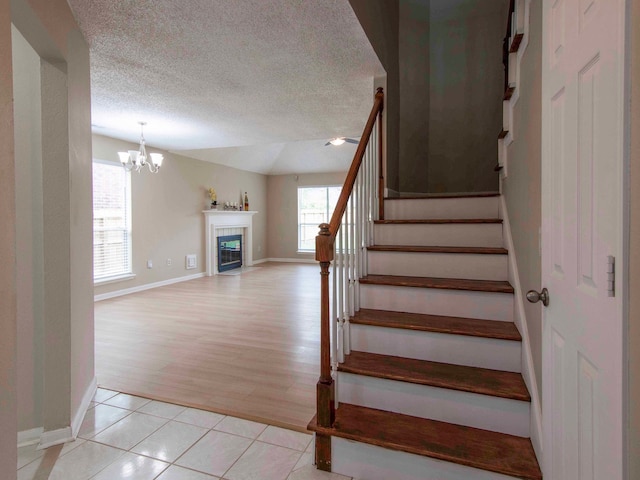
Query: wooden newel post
{"points": [[325, 392], [325, 388]]}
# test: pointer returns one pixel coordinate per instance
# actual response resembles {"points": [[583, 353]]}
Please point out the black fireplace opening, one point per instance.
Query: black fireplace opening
{"points": [[229, 252]]}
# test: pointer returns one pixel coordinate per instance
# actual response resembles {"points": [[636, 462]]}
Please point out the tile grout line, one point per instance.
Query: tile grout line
{"points": [[168, 464]]}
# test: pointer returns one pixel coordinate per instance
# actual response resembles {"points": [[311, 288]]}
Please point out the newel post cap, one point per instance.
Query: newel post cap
{"points": [[324, 244]]}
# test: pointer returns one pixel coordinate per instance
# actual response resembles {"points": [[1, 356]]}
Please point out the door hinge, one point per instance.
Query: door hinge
{"points": [[611, 276]]}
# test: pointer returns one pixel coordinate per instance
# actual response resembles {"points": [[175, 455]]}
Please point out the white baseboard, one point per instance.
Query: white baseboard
{"points": [[67, 434], [84, 406], [148, 286], [520, 318], [29, 437], [55, 437], [289, 260]]}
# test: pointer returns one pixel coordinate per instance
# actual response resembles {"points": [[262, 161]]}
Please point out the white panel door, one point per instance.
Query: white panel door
{"points": [[582, 224]]}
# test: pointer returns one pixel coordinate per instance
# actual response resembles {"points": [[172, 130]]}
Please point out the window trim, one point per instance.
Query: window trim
{"points": [[127, 275], [312, 250]]}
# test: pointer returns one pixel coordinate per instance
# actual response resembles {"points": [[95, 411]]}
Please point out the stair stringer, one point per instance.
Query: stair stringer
{"points": [[515, 59], [520, 319]]}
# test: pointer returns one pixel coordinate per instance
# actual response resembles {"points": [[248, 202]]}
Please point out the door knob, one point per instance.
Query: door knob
{"points": [[535, 297]]}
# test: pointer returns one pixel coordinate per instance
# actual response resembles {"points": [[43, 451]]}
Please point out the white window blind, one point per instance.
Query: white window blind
{"points": [[315, 206], [111, 221]]}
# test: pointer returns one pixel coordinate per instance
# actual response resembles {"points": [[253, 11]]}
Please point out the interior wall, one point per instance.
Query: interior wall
{"points": [[167, 209], [68, 374], [380, 21], [633, 338], [466, 89], [81, 221], [29, 231], [8, 283], [414, 65], [283, 210], [521, 189]]}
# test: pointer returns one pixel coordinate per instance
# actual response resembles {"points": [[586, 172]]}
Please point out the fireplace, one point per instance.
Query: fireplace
{"points": [[229, 252]]}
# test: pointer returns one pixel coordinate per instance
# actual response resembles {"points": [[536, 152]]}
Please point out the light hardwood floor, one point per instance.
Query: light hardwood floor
{"points": [[244, 345]]}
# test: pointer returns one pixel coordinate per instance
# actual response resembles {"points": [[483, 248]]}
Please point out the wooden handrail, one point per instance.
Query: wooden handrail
{"points": [[325, 389], [347, 188]]}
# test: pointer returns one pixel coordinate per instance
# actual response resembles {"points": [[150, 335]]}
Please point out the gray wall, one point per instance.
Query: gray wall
{"points": [[443, 60], [521, 188], [283, 210], [167, 209], [379, 20], [466, 90], [414, 64]]}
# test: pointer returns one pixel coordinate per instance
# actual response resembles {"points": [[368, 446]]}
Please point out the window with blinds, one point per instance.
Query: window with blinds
{"points": [[315, 206], [111, 221]]}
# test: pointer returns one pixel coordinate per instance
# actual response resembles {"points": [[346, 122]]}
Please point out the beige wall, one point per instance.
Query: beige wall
{"points": [[167, 217], [283, 210], [67, 372], [466, 89], [634, 253], [521, 188], [8, 286], [29, 231]]}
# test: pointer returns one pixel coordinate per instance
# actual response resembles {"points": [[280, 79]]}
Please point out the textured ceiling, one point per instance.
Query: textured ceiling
{"points": [[226, 73]]}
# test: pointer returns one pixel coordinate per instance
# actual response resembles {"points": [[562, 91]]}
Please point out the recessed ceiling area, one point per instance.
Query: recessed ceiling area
{"points": [[209, 76]]}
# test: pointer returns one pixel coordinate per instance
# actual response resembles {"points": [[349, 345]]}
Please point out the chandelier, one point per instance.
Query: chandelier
{"points": [[137, 159]]}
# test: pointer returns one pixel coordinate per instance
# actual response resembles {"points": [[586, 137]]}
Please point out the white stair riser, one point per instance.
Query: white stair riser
{"points": [[444, 265], [435, 301], [363, 461], [410, 209], [440, 234], [480, 352], [461, 408]]}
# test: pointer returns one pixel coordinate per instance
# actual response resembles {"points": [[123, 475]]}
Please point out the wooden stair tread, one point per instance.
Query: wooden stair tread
{"points": [[515, 43], [440, 221], [492, 451], [428, 196], [436, 323], [443, 283], [435, 374], [433, 249], [509, 93]]}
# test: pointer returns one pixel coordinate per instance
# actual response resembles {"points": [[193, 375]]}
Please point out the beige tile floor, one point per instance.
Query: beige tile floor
{"points": [[128, 437]]}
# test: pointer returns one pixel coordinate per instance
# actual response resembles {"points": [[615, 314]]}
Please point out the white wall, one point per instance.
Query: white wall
{"points": [[167, 219], [634, 254], [521, 188]]}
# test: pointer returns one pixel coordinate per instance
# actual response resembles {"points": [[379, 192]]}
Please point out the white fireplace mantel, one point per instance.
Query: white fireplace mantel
{"points": [[217, 219]]}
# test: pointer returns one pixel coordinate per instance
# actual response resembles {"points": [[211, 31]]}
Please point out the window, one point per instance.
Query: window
{"points": [[111, 221], [315, 206]]}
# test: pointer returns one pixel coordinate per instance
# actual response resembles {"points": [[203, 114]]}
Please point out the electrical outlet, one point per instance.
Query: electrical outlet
{"points": [[149, 263], [168, 262]]}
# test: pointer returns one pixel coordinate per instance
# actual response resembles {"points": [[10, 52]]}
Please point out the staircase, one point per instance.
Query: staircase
{"points": [[431, 387]]}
